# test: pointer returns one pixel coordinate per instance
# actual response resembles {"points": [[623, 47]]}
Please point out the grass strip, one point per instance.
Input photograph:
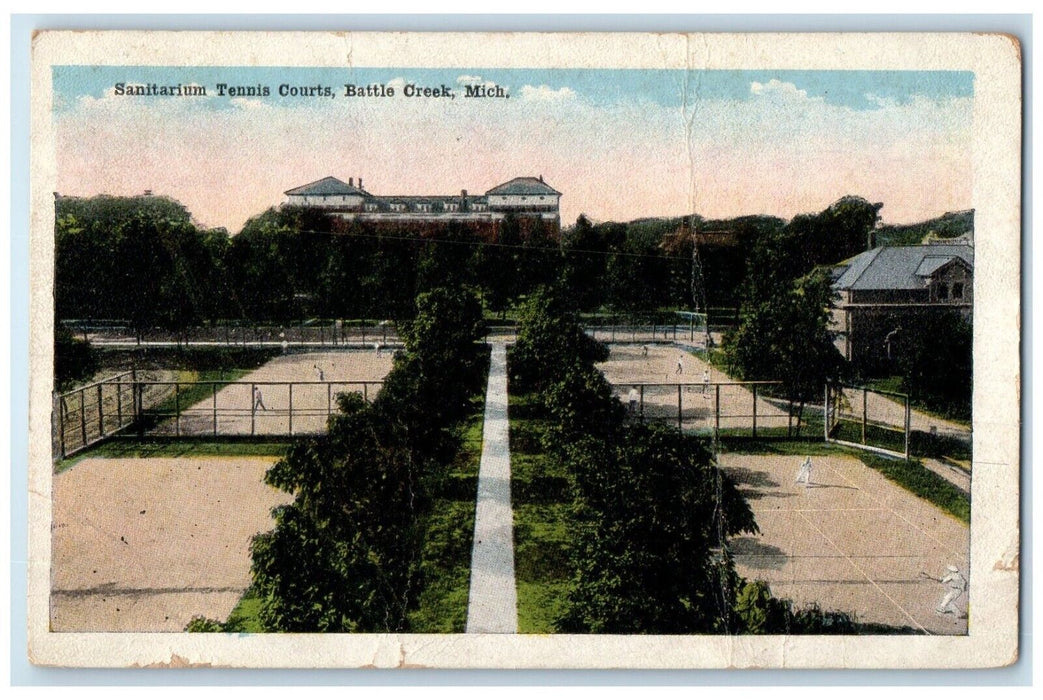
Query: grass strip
{"points": [[922, 482], [446, 558], [541, 503], [123, 448]]}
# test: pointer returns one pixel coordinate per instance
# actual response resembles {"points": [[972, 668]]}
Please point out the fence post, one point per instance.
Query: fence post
{"points": [[908, 433], [754, 410], [329, 399], [291, 408], [642, 412], [825, 414], [789, 420], [322, 335], [62, 413], [214, 387], [385, 335], [717, 411], [865, 411], [177, 409], [679, 407], [83, 419], [365, 392], [253, 407], [101, 413]]}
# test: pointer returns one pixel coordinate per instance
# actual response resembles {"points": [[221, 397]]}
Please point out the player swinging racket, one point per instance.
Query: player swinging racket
{"points": [[955, 585]]}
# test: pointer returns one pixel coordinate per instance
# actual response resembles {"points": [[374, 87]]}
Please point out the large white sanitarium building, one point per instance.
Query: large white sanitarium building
{"points": [[524, 197]]}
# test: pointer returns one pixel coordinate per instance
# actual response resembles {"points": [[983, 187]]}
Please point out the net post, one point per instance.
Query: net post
{"points": [[101, 413], [177, 409], [365, 392], [789, 420], [865, 412], [679, 408], [214, 387], [119, 404], [641, 388], [253, 408], [291, 408], [329, 399]]}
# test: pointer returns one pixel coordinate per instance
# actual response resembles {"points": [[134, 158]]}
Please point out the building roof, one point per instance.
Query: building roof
{"points": [[524, 185], [326, 186], [899, 267]]}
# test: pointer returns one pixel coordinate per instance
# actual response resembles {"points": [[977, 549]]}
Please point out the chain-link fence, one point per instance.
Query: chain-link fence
{"points": [[730, 409], [868, 419]]}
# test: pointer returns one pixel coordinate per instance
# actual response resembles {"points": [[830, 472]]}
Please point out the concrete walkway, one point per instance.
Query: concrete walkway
{"points": [[493, 603]]}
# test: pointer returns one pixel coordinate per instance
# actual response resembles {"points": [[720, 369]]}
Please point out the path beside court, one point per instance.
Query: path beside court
{"points": [[493, 602]]}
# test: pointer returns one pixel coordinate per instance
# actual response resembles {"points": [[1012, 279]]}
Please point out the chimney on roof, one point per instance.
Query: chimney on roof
{"points": [[148, 193], [360, 183], [463, 194], [351, 182], [541, 177]]}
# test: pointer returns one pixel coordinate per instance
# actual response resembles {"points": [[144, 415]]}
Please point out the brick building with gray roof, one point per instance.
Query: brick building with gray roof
{"points": [[523, 197], [883, 291]]}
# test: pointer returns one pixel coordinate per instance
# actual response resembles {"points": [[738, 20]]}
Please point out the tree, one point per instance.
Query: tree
{"points": [[550, 341], [785, 336], [935, 359], [653, 515], [74, 359], [343, 556]]}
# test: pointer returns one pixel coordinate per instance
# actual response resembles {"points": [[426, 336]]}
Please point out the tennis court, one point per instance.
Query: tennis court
{"points": [[852, 541]]}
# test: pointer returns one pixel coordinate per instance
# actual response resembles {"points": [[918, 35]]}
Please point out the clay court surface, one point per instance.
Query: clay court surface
{"points": [[313, 400], [853, 541], [628, 365], [144, 545]]}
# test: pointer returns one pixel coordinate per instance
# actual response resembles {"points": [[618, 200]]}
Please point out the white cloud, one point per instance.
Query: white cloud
{"points": [[469, 79], [778, 88], [546, 93], [248, 103]]}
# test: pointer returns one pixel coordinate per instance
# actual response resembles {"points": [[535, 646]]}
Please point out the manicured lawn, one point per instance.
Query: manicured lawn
{"points": [[446, 559], [121, 447], [541, 501]]}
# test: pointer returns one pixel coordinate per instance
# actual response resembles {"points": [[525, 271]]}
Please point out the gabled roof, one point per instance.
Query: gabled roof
{"points": [[933, 263], [524, 185], [900, 267], [326, 186]]}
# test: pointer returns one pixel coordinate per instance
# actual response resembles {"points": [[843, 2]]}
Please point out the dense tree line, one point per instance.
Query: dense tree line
{"points": [[345, 554], [652, 511], [143, 259], [786, 296]]}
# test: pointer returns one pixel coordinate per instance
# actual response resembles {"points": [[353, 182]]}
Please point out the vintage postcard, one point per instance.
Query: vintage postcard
{"points": [[525, 350]]}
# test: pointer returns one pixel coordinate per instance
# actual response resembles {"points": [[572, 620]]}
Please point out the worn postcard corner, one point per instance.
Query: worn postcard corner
{"points": [[524, 350]]}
